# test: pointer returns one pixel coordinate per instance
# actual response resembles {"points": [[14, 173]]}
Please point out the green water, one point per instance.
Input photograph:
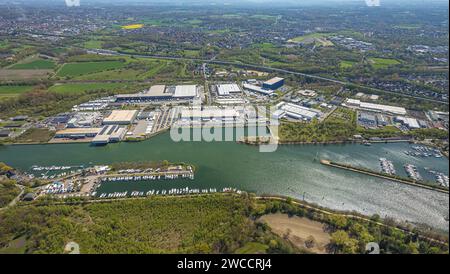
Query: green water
{"points": [[291, 170]]}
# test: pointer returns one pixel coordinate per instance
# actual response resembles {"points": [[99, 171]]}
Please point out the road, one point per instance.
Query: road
{"points": [[266, 68]]}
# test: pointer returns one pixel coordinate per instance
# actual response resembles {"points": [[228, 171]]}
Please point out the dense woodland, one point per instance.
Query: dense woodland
{"points": [[201, 224]]}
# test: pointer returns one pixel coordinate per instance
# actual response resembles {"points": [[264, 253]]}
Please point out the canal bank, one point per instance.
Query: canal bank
{"points": [[293, 170]]}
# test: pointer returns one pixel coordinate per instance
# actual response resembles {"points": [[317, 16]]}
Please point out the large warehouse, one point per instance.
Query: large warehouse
{"points": [[295, 112], [375, 107], [274, 83], [157, 92], [109, 134], [120, 117], [209, 114], [77, 133], [227, 89], [257, 89], [185, 91]]}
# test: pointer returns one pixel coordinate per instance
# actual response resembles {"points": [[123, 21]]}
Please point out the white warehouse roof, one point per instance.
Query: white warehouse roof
{"points": [[208, 113], [257, 89], [410, 122], [185, 91], [299, 111]]}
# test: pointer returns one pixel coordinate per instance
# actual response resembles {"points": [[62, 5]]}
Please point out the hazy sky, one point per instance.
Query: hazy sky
{"points": [[237, 2]]}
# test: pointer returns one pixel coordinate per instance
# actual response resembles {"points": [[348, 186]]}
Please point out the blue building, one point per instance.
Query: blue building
{"points": [[274, 83]]}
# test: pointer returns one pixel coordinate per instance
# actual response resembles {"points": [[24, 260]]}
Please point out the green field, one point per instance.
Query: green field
{"points": [[93, 44], [36, 64], [74, 69], [381, 63], [75, 88], [13, 91]]}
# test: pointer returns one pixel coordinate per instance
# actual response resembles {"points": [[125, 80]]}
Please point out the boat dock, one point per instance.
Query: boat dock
{"points": [[165, 192], [147, 176]]}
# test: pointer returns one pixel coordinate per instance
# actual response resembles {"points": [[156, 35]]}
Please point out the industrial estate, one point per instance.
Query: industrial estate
{"points": [[357, 111]]}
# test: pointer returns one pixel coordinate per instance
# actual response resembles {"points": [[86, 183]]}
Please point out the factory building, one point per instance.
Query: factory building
{"points": [[109, 134], [367, 119], [210, 114], [156, 92], [94, 105], [257, 89], [227, 89], [77, 133], [120, 117], [159, 93], [382, 120], [83, 119], [375, 107], [185, 92], [411, 123], [295, 112], [5, 133], [274, 83]]}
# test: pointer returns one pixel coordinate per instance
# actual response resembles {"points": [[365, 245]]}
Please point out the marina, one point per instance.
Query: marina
{"points": [[423, 151], [290, 171], [413, 173], [114, 178], [387, 166], [169, 192]]}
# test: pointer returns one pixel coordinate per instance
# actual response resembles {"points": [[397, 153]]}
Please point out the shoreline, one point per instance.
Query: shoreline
{"points": [[383, 176]]}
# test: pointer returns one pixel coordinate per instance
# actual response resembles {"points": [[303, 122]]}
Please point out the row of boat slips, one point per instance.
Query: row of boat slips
{"points": [[186, 175], [171, 192], [387, 166], [295, 111]]}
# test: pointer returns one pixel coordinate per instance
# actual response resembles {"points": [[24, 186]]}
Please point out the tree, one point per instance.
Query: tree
{"points": [[310, 242], [338, 221]]}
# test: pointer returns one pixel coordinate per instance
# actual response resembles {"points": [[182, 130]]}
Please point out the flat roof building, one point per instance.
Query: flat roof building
{"points": [[77, 133], [208, 114], [109, 134], [368, 119], [376, 107], [120, 117], [156, 92], [257, 89], [295, 111], [274, 83], [185, 91], [227, 89], [411, 123]]}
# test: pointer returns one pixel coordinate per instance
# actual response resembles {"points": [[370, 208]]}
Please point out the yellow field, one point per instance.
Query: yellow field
{"points": [[135, 26]]}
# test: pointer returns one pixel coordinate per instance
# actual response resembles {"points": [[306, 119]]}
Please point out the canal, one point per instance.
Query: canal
{"points": [[292, 170]]}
